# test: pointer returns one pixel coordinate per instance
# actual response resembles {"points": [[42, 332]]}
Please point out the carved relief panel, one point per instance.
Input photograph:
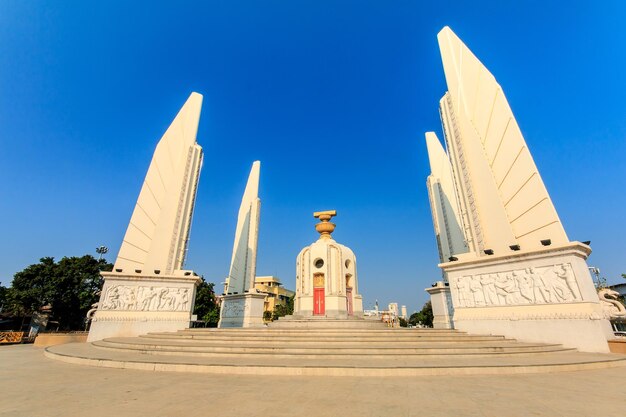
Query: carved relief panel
{"points": [[234, 308], [535, 285], [318, 280], [146, 298]]}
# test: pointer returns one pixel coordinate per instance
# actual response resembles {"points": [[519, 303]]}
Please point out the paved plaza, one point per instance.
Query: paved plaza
{"points": [[34, 386]]}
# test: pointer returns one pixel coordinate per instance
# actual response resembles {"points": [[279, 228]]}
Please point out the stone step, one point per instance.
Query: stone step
{"points": [[325, 344], [313, 332], [271, 330], [396, 366], [324, 340], [323, 353], [322, 322]]}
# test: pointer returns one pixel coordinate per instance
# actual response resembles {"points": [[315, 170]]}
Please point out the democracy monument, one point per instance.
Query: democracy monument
{"points": [[516, 295]]}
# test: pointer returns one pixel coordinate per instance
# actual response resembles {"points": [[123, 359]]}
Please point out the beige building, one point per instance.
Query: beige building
{"points": [[275, 293]]}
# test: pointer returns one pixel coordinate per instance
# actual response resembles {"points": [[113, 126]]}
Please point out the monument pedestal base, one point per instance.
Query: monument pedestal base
{"points": [[543, 296], [335, 307], [242, 310], [132, 305], [442, 305]]}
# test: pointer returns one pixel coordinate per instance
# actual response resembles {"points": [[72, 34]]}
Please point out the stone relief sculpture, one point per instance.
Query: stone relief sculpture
{"points": [[488, 282], [129, 298], [236, 308], [612, 308], [461, 292], [556, 284]]}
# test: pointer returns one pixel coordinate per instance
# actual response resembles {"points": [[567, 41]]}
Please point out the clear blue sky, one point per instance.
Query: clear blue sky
{"points": [[334, 99]]}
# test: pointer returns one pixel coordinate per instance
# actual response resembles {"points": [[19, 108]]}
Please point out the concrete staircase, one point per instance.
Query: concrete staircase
{"points": [[359, 350]]}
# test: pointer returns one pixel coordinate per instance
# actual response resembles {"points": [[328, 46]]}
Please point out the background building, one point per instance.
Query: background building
{"points": [[276, 294]]}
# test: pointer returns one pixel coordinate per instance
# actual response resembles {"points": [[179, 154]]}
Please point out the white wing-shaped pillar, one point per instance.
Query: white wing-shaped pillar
{"points": [[444, 201], [501, 192], [242, 305], [158, 232], [521, 277], [148, 291], [243, 263]]}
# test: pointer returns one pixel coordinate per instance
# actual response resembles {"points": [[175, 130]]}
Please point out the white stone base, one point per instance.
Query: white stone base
{"points": [[242, 310], [584, 334], [335, 306], [132, 305], [441, 303], [541, 296], [321, 322]]}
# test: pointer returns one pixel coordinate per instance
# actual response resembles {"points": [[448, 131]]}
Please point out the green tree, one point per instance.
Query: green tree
{"points": [[423, 317], [70, 287], [282, 310], [4, 293], [206, 306], [403, 322]]}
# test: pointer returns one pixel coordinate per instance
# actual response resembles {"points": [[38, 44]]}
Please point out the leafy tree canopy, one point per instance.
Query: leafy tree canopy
{"points": [[4, 292], [69, 287], [282, 310], [423, 317], [206, 307]]}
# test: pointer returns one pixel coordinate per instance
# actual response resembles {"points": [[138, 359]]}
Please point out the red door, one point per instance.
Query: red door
{"points": [[349, 300], [319, 309]]}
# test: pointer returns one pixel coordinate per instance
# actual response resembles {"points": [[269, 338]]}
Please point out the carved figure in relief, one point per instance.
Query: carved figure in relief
{"points": [[162, 298], [461, 286], [540, 289], [565, 273], [147, 296], [489, 289], [184, 299], [505, 288], [524, 283], [130, 299], [558, 286], [477, 291], [112, 300], [171, 300]]}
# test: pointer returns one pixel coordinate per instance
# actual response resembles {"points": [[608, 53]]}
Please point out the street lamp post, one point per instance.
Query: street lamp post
{"points": [[101, 250], [596, 271]]}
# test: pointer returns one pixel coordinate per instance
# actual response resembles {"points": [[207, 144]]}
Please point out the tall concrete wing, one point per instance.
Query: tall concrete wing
{"points": [[243, 262], [158, 232], [521, 277], [444, 201], [148, 291], [496, 176]]}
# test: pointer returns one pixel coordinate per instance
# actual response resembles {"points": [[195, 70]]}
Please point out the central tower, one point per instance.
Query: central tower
{"points": [[326, 277]]}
